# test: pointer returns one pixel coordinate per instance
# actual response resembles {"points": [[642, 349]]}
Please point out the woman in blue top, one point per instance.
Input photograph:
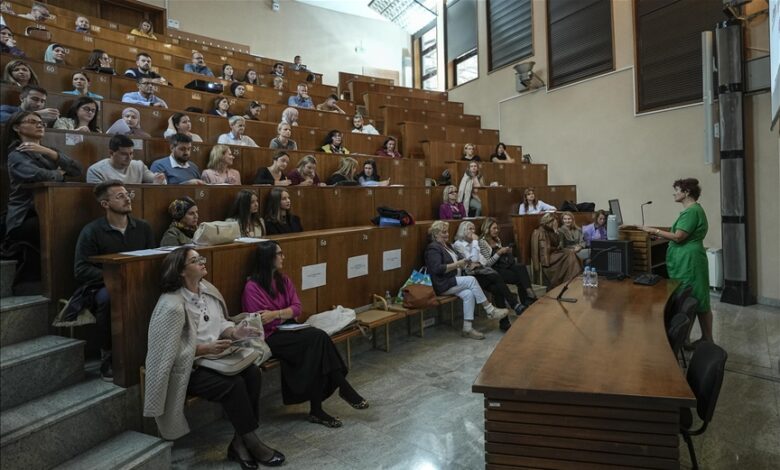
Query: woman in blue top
{"points": [[686, 259], [81, 84]]}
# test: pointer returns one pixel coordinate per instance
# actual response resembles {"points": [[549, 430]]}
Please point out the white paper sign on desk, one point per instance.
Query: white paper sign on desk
{"points": [[313, 276], [357, 266], [391, 259]]}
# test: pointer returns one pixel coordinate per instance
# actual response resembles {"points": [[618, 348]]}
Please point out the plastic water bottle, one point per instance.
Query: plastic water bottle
{"points": [[585, 274], [594, 277], [388, 297]]}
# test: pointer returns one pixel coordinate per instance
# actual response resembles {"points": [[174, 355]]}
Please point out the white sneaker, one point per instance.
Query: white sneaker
{"points": [[495, 313], [472, 334]]}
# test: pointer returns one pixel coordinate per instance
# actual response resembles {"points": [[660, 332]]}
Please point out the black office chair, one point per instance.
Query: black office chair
{"points": [[705, 377], [688, 308], [674, 304], [677, 332]]}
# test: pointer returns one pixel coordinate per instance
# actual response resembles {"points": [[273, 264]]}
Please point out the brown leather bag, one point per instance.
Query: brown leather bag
{"points": [[418, 296]]}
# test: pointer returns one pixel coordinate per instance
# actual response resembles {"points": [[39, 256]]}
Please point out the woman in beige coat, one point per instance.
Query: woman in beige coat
{"points": [[190, 320]]}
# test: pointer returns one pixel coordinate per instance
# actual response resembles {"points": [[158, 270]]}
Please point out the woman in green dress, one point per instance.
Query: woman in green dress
{"points": [[686, 260]]}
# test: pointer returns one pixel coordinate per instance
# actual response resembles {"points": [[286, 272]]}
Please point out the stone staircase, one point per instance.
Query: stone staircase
{"points": [[53, 414]]}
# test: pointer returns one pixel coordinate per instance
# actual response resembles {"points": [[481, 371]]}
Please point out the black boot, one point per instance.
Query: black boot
{"points": [[504, 324]]}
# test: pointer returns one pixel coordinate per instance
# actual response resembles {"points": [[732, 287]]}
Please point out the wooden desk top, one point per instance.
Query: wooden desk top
{"points": [[608, 347]]}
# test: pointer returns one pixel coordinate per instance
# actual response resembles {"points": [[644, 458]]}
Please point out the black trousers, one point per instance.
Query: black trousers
{"points": [[239, 394], [494, 284], [103, 318], [517, 274], [23, 244]]}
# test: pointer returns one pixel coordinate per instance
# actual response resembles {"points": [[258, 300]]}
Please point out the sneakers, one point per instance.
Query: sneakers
{"points": [[504, 324], [472, 334], [495, 313], [519, 309], [106, 371]]}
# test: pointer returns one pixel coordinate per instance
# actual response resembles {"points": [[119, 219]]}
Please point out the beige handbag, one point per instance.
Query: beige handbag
{"points": [[216, 233]]}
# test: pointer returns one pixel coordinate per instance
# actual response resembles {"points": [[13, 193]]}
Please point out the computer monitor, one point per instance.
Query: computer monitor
{"points": [[614, 209]]}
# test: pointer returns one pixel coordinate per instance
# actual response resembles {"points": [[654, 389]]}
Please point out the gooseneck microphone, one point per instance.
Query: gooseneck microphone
{"points": [[560, 297], [642, 208]]}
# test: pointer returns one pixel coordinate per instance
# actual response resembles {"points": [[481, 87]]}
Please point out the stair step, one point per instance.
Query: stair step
{"points": [[33, 368], [52, 429], [7, 274], [129, 450], [23, 318]]}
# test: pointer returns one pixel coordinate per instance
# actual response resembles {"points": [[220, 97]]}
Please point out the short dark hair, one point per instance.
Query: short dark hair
{"points": [[28, 88], [142, 54], [172, 266], [280, 154], [278, 64], [101, 189], [119, 141], [333, 95], [177, 139], [690, 186]]}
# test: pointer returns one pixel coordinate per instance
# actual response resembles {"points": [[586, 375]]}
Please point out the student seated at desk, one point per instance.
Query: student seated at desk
{"points": [[228, 74], [278, 214], [8, 43], [184, 222], [306, 173], [82, 116], [446, 268], [298, 63], [81, 84], [312, 368], [29, 162], [332, 143], [571, 237], [99, 62], [236, 135], [115, 232], [330, 105], [55, 54], [598, 229], [251, 78], [82, 24], [278, 83], [246, 211], [120, 165], [198, 65], [468, 154], [191, 320], [451, 208], [221, 107], [370, 176], [145, 95], [220, 167], [38, 13], [180, 123], [253, 111], [237, 89], [531, 205], [283, 140], [302, 98], [278, 69], [500, 155], [129, 124], [275, 174], [359, 127], [389, 148], [558, 265], [144, 29], [345, 174], [468, 188], [501, 259], [290, 116], [33, 99], [19, 73], [143, 69], [177, 167]]}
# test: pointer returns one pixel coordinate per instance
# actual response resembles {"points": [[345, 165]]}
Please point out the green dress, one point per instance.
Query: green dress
{"points": [[687, 261]]}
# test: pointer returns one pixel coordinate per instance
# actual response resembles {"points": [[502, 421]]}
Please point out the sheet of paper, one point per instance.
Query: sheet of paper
{"points": [[149, 252], [293, 326], [313, 276], [250, 240], [391, 259], [73, 139], [357, 266], [138, 144]]}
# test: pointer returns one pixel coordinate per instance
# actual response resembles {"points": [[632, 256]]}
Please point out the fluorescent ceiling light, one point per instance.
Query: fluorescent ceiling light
{"points": [[410, 15]]}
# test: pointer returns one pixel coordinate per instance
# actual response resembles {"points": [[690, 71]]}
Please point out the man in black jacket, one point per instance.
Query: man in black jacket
{"points": [[116, 232]]}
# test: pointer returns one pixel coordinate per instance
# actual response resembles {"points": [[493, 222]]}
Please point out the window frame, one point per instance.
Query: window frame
{"points": [[514, 61], [461, 59], [417, 63], [450, 77]]}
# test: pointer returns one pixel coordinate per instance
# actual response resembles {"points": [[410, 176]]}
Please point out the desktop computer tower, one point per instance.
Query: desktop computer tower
{"points": [[618, 261]]}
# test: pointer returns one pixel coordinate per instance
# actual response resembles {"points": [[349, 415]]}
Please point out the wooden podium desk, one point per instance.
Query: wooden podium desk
{"points": [[584, 385]]}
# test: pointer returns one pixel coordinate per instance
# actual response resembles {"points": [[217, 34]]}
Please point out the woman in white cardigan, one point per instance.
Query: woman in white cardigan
{"points": [[190, 320], [467, 190]]}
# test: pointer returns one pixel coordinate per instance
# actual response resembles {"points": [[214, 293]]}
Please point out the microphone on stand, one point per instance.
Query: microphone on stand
{"points": [[642, 208], [560, 297]]}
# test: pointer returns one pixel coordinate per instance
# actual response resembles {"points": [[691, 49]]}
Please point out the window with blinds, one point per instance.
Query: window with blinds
{"points": [[510, 31], [579, 39], [668, 50]]}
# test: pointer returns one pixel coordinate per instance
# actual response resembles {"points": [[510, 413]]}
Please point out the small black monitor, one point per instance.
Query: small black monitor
{"points": [[614, 209]]}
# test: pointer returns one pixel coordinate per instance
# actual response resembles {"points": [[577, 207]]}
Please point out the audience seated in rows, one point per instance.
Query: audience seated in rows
{"points": [[198, 65], [500, 258], [302, 99], [389, 148], [129, 124], [8, 43], [330, 105], [180, 123], [121, 166], [82, 116], [246, 211], [500, 155], [468, 154], [145, 95], [283, 140], [596, 230], [312, 368], [19, 73], [184, 222], [278, 216], [570, 236], [237, 89], [451, 208], [306, 173], [557, 264], [531, 205], [290, 116], [177, 167], [221, 107], [82, 24], [228, 73], [220, 167], [236, 135], [99, 62], [275, 174], [332, 143], [468, 190], [81, 84], [55, 54], [144, 29], [370, 176], [173, 346], [116, 232], [446, 268], [32, 98], [358, 127], [278, 69], [251, 78], [143, 69], [345, 174]]}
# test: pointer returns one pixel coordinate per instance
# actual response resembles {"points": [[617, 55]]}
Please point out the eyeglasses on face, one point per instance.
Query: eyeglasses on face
{"points": [[33, 122], [197, 260], [89, 109], [124, 196]]}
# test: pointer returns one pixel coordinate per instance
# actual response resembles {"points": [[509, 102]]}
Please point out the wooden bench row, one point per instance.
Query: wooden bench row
{"points": [[415, 134]]}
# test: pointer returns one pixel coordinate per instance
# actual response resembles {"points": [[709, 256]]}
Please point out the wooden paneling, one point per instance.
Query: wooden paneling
{"points": [[335, 250]]}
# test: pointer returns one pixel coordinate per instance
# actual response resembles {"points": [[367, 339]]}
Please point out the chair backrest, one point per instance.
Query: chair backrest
{"points": [[705, 377], [674, 304], [688, 308], [677, 332]]}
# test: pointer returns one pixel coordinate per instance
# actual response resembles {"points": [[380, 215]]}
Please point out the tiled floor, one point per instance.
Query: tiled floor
{"points": [[424, 416]]}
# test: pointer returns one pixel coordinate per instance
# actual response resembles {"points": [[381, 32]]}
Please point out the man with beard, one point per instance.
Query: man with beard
{"points": [[116, 232], [143, 69], [32, 98], [177, 167]]}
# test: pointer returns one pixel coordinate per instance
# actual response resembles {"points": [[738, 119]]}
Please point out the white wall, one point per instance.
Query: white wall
{"points": [[325, 39], [590, 136]]}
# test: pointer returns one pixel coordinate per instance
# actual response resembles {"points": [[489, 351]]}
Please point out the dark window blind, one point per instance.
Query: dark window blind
{"points": [[668, 50], [580, 39], [510, 31], [461, 28]]}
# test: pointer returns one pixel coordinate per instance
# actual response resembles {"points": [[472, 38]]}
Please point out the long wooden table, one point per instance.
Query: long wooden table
{"points": [[591, 384]]}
